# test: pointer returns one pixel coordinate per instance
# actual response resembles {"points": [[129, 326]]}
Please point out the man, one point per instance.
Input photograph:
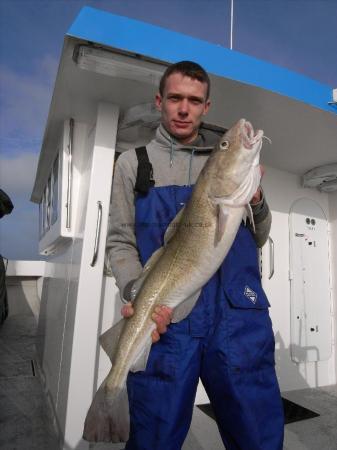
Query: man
{"points": [[227, 341]]}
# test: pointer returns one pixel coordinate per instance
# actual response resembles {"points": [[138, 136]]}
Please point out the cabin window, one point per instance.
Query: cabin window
{"points": [[54, 191], [43, 213], [48, 201], [48, 208], [55, 203], [41, 219]]}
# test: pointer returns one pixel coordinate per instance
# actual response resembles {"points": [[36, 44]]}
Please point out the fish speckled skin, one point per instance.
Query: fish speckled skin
{"points": [[196, 243]]}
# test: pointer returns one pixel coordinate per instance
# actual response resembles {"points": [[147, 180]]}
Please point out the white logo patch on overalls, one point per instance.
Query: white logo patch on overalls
{"points": [[250, 294]]}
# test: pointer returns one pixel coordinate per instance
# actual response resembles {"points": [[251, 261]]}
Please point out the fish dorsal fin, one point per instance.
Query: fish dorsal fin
{"points": [[109, 340], [182, 311], [172, 228], [151, 262]]}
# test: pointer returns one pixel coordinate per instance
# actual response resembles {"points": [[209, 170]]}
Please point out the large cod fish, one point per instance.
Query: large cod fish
{"points": [[196, 243]]}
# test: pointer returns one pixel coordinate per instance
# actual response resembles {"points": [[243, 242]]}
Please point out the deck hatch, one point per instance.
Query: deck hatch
{"points": [[24, 368], [292, 411]]}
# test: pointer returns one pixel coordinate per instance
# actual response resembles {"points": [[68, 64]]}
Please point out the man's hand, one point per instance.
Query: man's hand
{"points": [[162, 317], [257, 196]]}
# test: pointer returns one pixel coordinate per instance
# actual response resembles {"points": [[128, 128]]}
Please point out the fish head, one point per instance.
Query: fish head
{"points": [[233, 166]]}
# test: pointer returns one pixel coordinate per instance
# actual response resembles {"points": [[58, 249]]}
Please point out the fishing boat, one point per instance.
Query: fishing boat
{"points": [[102, 105]]}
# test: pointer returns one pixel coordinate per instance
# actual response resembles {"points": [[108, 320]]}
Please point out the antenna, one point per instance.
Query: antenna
{"points": [[231, 36]]}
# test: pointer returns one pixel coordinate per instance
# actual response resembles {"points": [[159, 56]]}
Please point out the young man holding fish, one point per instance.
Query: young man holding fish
{"points": [[226, 339]]}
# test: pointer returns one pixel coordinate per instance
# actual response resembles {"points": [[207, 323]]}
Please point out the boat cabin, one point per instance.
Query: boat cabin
{"points": [[103, 104]]}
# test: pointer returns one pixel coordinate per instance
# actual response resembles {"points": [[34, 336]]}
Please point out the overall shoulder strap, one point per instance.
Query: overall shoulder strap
{"points": [[144, 178]]}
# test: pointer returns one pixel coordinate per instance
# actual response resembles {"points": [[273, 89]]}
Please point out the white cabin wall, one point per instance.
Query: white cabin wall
{"points": [[51, 319], [282, 189], [71, 296], [55, 292], [333, 253], [82, 160], [56, 285], [82, 325]]}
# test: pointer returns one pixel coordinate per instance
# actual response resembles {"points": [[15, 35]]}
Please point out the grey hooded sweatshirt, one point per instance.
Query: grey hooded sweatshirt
{"points": [[173, 164]]}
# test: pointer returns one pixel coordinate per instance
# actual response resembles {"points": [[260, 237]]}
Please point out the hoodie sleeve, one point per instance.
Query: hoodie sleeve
{"points": [[262, 220], [121, 239]]}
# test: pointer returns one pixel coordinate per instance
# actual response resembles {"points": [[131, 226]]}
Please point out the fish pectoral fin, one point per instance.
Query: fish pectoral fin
{"points": [[223, 213], [110, 338], [146, 269], [172, 228], [108, 419], [182, 311], [141, 361]]}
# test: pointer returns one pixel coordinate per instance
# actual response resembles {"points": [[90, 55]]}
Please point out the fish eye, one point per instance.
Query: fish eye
{"points": [[224, 145]]}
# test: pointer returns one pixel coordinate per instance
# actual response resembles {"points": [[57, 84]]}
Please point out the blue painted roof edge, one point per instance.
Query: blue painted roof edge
{"points": [[150, 40]]}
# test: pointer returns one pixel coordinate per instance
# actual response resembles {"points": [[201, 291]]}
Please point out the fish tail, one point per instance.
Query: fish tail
{"points": [[108, 417]]}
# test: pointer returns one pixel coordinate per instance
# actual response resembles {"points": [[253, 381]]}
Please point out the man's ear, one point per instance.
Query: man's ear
{"points": [[206, 107], [158, 101]]}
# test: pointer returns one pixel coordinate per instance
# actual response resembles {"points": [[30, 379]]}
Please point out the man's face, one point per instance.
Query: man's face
{"points": [[182, 106]]}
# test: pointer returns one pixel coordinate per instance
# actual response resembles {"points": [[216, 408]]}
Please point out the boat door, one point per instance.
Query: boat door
{"points": [[295, 273], [310, 292]]}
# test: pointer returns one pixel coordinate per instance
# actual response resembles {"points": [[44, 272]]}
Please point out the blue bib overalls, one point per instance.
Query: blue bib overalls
{"points": [[227, 341]]}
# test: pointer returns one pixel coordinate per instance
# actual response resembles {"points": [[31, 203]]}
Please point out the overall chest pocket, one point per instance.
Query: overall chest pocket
{"points": [[250, 336]]}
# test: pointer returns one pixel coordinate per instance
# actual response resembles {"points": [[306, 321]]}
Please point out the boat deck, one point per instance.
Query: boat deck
{"points": [[26, 421]]}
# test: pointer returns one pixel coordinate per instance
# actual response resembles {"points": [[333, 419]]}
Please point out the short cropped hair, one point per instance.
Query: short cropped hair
{"points": [[188, 69]]}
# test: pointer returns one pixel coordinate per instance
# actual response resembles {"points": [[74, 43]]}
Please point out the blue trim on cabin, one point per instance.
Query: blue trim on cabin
{"points": [[152, 41]]}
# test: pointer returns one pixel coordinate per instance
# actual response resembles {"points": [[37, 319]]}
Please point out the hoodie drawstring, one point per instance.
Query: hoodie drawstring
{"points": [[172, 143], [190, 167], [171, 153]]}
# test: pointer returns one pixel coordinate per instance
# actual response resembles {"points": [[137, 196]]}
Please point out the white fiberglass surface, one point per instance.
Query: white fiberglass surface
{"points": [[310, 303]]}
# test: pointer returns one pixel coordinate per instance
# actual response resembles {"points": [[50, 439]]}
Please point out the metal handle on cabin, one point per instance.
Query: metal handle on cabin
{"points": [[271, 257], [98, 233]]}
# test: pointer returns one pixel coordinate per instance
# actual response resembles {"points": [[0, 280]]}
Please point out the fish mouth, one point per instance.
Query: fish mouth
{"points": [[250, 137]]}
